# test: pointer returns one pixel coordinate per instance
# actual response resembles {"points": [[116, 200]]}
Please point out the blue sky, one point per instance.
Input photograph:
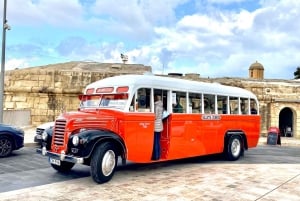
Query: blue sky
{"points": [[215, 38]]}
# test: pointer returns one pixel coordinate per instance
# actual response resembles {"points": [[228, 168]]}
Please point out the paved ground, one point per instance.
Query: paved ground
{"points": [[197, 179], [194, 180]]}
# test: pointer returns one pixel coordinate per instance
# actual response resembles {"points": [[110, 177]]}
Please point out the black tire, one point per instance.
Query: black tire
{"points": [[63, 167], [6, 146], [103, 163], [234, 148]]}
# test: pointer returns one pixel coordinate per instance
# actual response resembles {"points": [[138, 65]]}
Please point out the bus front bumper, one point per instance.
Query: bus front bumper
{"points": [[62, 156]]}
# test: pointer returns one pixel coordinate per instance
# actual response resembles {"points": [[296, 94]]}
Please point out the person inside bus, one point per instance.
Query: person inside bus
{"points": [[177, 108], [253, 109], [206, 107], [158, 126], [243, 108], [224, 106]]}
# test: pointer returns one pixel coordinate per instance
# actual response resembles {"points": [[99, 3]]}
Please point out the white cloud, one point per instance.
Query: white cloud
{"points": [[212, 39], [16, 64], [45, 13]]}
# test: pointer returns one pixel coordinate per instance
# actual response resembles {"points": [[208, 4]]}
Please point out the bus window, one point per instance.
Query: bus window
{"points": [[164, 97], [114, 101], [133, 104], [143, 99], [179, 102], [234, 105], [222, 104], [91, 101], [253, 106], [244, 106], [209, 104], [195, 102]]}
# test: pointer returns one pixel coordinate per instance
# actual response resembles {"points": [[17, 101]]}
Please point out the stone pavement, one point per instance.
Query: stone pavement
{"points": [[183, 182], [195, 181]]}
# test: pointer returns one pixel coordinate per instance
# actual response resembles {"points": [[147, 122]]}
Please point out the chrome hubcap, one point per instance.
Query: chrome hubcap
{"points": [[108, 162], [235, 147]]}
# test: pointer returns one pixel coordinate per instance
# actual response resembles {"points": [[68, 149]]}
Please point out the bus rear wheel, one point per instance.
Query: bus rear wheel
{"points": [[103, 163], [234, 148]]}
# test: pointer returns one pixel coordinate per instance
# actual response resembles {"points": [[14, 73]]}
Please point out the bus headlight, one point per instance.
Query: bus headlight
{"points": [[44, 136], [75, 140]]}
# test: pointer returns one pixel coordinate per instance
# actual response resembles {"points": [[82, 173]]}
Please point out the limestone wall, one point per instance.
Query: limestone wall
{"points": [[49, 90]]}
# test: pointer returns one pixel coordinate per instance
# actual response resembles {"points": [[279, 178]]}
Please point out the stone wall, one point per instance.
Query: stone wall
{"points": [[49, 90]]}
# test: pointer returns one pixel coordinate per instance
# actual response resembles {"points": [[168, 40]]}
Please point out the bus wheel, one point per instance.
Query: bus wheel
{"points": [[234, 148], [103, 163], [63, 167]]}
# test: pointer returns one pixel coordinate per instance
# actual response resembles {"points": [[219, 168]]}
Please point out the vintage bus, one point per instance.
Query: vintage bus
{"points": [[116, 117]]}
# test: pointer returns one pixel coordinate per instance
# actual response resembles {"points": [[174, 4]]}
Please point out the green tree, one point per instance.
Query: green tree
{"points": [[297, 73]]}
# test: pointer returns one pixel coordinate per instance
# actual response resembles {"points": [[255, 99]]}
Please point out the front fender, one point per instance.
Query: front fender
{"points": [[89, 139]]}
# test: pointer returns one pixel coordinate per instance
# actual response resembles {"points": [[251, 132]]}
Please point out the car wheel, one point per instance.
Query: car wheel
{"points": [[6, 146], [63, 167], [234, 148], [103, 163]]}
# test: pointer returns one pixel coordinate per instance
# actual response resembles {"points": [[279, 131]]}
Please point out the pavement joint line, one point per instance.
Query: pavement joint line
{"points": [[262, 196]]}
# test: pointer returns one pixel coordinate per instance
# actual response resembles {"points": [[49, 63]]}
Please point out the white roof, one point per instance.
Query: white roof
{"points": [[170, 83]]}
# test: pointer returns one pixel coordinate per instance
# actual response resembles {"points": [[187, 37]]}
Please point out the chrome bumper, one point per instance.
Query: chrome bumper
{"points": [[61, 156]]}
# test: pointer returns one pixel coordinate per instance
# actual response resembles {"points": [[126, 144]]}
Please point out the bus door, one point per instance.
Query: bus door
{"points": [[164, 138], [139, 127], [209, 123]]}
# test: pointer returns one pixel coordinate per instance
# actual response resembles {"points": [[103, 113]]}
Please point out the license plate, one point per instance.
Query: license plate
{"points": [[54, 161]]}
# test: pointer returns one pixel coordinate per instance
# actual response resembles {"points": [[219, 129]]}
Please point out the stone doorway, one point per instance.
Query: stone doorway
{"points": [[286, 120]]}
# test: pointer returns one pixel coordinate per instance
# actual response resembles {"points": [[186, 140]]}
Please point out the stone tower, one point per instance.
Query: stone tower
{"points": [[256, 71]]}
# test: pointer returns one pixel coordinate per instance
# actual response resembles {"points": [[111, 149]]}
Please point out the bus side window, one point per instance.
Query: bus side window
{"points": [[244, 106], [133, 104], [143, 99], [195, 102], [179, 102], [222, 104], [164, 97], [253, 107], [209, 104], [234, 107]]}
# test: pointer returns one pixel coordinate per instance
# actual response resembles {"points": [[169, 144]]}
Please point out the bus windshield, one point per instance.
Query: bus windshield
{"points": [[117, 101]]}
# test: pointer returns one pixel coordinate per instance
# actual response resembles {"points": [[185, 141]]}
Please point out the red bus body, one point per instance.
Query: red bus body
{"points": [[129, 133]]}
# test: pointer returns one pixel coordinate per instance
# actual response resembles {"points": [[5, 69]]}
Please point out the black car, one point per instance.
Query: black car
{"points": [[47, 129], [11, 138]]}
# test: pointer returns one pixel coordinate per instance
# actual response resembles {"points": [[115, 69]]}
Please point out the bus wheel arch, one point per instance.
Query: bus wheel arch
{"points": [[234, 145]]}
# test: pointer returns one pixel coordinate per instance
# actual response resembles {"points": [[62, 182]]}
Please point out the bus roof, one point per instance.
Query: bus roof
{"points": [[170, 83]]}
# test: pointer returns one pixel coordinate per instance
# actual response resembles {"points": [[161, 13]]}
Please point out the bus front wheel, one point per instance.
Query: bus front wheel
{"points": [[103, 163], [234, 148]]}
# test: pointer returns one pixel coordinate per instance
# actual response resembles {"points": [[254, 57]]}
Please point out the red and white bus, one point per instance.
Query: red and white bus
{"points": [[116, 120]]}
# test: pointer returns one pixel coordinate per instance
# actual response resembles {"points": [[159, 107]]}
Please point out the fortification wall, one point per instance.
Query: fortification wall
{"points": [[49, 90]]}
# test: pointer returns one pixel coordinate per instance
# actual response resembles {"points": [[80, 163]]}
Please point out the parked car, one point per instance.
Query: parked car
{"points": [[47, 128], [11, 138]]}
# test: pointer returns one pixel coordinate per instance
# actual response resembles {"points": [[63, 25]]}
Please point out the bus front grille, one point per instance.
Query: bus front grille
{"points": [[59, 132]]}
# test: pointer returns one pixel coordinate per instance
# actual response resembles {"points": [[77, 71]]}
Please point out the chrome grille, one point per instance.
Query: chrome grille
{"points": [[59, 132]]}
